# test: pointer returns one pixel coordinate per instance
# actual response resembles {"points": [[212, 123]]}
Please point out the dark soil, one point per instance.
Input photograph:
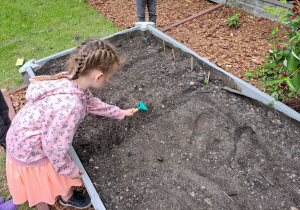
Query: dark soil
{"points": [[197, 147]]}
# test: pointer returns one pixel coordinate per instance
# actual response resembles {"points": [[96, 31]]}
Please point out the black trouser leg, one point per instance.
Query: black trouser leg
{"points": [[140, 7], [4, 120], [151, 5]]}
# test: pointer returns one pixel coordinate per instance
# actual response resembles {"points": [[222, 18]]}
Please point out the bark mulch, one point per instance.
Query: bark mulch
{"points": [[18, 99]]}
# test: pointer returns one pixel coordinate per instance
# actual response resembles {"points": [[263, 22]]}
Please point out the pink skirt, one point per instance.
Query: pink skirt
{"points": [[37, 184]]}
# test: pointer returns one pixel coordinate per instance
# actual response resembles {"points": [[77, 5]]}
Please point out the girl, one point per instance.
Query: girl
{"points": [[38, 164]]}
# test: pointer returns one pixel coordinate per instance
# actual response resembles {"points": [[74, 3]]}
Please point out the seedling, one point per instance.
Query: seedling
{"points": [[234, 20], [207, 78], [142, 106]]}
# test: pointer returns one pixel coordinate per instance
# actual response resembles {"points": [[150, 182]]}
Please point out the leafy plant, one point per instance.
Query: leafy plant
{"points": [[277, 12], [234, 20], [280, 76]]}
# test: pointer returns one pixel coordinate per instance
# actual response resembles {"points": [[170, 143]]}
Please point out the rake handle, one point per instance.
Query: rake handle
{"points": [[134, 111]]}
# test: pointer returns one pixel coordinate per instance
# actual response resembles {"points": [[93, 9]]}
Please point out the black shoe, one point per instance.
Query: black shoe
{"points": [[77, 200]]}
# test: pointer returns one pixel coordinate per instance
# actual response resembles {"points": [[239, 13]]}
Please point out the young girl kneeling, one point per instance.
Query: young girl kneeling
{"points": [[38, 164]]}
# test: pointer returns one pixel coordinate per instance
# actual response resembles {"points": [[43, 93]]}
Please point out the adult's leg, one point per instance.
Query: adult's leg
{"points": [[4, 120], [151, 5], [3, 132], [140, 8]]}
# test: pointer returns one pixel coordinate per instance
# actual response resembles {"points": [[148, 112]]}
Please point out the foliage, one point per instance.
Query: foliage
{"points": [[277, 12], [280, 76], [234, 20]]}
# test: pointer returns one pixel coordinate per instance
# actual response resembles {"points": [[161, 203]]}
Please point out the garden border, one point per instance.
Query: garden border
{"points": [[204, 12]]}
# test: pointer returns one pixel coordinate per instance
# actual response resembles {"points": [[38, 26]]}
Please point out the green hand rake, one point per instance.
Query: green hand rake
{"points": [[142, 106]]}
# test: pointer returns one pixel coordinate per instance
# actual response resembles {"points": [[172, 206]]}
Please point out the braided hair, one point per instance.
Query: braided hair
{"points": [[90, 54]]}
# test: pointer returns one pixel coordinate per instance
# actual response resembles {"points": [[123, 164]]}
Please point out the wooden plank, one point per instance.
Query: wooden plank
{"points": [[204, 12], [17, 89]]}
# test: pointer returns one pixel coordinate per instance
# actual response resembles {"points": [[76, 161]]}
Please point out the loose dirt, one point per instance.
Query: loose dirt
{"points": [[197, 147]]}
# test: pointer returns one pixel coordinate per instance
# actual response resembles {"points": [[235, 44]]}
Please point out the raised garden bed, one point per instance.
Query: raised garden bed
{"points": [[197, 147]]}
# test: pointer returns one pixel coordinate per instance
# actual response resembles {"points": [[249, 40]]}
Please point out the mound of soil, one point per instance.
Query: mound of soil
{"points": [[197, 147]]}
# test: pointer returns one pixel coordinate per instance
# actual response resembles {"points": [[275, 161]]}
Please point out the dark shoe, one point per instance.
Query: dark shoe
{"points": [[77, 200]]}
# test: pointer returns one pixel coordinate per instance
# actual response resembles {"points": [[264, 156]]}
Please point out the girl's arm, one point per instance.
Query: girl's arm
{"points": [[97, 107]]}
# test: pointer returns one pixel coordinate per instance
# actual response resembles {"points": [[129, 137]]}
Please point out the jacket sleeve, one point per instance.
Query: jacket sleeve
{"points": [[97, 107], [59, 130]]}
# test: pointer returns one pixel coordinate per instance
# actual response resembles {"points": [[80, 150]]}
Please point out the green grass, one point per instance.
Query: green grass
{"points": [[3, 185], [38, 28]]}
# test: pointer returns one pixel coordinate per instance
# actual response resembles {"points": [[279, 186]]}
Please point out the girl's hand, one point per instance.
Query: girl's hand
{"points": [[129, 112], [78, 176]]}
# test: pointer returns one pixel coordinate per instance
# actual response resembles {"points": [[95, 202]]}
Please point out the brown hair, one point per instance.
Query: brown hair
{"points": [[90, 54]]}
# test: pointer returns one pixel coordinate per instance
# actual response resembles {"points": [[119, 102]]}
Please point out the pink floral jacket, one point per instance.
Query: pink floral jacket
{"points": [[43, 129]]}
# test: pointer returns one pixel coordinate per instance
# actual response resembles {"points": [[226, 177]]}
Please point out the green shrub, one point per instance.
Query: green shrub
{"points": [[233, 21], [280, 75]]}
